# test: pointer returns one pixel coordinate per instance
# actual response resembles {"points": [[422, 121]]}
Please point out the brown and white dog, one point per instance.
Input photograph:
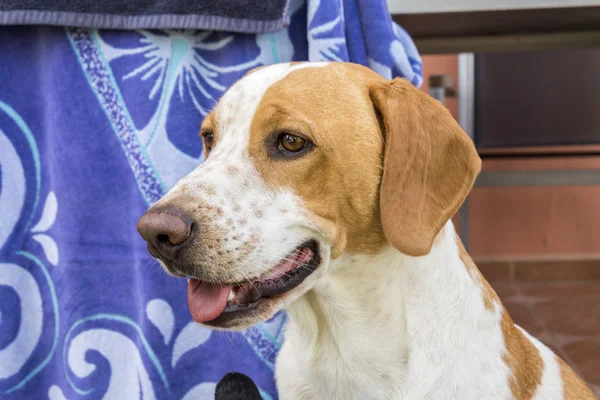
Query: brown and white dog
{"points": [[328, 191]]}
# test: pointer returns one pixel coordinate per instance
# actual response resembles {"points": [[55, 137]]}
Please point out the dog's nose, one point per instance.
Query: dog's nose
{"points": [[165, 229]]}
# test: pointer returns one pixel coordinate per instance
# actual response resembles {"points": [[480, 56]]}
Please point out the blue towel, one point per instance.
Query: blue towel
{"points": [[94, 127]]}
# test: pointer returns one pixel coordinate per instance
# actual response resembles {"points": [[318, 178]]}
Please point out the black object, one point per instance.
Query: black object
{"points": [[537, 98], [236, 386], [246, 16]]}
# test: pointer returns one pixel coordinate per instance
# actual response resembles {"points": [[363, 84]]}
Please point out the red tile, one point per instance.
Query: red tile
{"points": [[567, 309], [596, 390], [495, 271], [570, 316], [523, 317], [551, 342], [505, 291], [585, 354], [557, 271], [562, 291]]}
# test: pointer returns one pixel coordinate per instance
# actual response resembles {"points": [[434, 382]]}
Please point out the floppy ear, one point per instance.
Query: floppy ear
{"points": [[429, 167]]}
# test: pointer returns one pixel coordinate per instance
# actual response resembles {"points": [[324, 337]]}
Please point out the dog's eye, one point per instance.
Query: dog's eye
{"points": [[209, 137], [292, 143]]}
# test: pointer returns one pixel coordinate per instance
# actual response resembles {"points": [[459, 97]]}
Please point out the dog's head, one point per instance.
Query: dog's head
{"points": [[306, 162]]}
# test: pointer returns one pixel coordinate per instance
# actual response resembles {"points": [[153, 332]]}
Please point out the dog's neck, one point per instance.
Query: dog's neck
{"points": [[417, 310]]}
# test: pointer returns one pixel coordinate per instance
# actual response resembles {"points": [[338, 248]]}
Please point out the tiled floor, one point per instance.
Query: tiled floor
{"points": [[565, 315]]}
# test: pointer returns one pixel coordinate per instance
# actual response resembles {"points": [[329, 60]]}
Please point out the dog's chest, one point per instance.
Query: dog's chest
{"points": [[336, 377], [363, 374]]}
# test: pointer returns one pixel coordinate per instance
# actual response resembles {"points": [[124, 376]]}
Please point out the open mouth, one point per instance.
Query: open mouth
{"points": [[210, 302]]}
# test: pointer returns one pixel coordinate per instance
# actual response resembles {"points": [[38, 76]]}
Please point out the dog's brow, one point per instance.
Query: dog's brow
{"points": [[236, 110]]}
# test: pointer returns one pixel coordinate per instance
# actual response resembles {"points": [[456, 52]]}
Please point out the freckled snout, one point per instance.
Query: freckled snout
{"points": [[166, 230]]}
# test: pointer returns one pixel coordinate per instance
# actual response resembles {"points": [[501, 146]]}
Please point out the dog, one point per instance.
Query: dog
{"points": [[328, 191]]}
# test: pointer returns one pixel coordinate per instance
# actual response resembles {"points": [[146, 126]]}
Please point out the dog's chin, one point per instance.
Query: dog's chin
{"points": [[246, 303]]}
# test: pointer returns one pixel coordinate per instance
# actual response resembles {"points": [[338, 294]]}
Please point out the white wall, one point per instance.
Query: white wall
{"points": [[427, 6]]}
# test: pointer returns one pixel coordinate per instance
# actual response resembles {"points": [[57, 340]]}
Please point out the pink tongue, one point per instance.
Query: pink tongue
{"points": [[206, 301]]}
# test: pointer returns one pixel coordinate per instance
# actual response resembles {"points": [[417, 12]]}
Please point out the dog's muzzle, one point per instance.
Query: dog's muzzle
{"points": [[185, 247]]}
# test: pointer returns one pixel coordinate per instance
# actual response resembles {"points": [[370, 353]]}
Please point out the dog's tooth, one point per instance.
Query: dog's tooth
{"points": [[231, 295]]}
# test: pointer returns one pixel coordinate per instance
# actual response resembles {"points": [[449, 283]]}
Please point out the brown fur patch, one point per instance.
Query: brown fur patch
{"points": [[573, 386], [429, 168], [524, 360], [338, 180], [231, 170], [209, 122], [490, 298], [210, 190]]}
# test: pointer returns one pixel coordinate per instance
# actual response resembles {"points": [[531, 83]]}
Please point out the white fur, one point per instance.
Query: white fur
{"points": [[394, 327]]}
